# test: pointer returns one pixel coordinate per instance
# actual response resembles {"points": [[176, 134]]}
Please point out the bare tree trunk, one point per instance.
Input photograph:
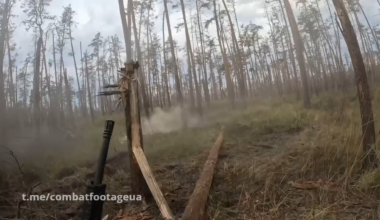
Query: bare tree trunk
{"points": [[370, 27], [124, 23], [138, 185], [88, 87], [10, 67], [3, 112], [291, 53], [192, 63], [141, 74], [176, 73], [368, 125], [299, 50], [165, 66], [36, 89], [56, 101], [68, 98], [203, 62], [235, 44], [77, 76], [51, 109], [230, 87]]}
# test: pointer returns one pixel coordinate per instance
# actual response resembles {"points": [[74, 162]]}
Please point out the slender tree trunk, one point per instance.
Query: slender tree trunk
{"points": [[68, 98], [165, 66], [368, 125], [372, 31], [77, 75], [230, 87], [84, 93], [192, 63], [10, 67], [235, 44], [213, 80], [3, 112], [140, 72], [176, 72], [36, 90], [299, 50], [88, 88], [203, 62]]}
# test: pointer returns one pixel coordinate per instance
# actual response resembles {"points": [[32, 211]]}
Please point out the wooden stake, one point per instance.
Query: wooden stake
{"points": [[196, 206], [137, 148]]}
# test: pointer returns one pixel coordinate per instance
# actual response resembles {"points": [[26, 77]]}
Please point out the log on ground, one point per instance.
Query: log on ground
{"points": [[196, 206]]}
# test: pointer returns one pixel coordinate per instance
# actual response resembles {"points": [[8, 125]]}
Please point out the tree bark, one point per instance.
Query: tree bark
{"points": [[192, 63], [77, 76], [176, 72], [88, 87], [299, 50], [141, 74], [368, 125], [195, 208], [36, 90], [138, 185], [3, 112], [230, 86]]}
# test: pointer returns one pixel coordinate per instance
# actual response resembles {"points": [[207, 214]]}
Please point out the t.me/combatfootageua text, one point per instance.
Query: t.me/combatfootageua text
{"points": [[85, 197]]}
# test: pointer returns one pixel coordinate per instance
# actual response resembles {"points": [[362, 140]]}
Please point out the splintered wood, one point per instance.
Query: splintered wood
{"points": [[139, 153], [196, 206], [152, 183]]}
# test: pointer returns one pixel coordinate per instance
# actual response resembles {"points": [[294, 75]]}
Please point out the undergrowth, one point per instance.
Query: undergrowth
{"points": [[319, 146]]}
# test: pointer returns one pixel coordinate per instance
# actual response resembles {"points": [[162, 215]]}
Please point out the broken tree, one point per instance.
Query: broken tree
{"points": [[196, 206], [137, 142], [138, 186]]}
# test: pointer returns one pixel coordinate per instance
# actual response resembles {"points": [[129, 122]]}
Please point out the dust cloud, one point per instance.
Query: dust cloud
{"points": [[166, 121]]}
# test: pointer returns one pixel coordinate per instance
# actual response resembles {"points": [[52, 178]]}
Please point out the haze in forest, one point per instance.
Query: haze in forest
{"points": [[88, 42], [291, 85]]}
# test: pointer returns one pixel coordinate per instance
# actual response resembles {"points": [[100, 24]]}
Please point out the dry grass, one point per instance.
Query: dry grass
{"points": [[273, 151], [319, 148]]}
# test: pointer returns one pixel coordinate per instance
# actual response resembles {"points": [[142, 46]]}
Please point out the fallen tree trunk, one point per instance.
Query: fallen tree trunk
{"points": [[196, 206]]}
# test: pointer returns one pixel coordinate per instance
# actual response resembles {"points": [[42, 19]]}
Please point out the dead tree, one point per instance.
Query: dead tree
{"points": [[138, 186], [368, 125], [4, 24], [195, 208], [299, 51], [36, 89], [137, 144]]}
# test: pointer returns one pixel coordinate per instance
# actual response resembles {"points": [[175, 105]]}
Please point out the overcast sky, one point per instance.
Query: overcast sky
{"points": [[103, 16]]}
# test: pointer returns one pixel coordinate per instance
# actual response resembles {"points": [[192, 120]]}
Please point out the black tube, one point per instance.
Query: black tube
{"points": [[108, 129], [92, 209]]}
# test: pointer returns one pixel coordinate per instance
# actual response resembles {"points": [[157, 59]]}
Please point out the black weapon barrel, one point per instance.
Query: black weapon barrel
{"points": [[93, 208], [108, 129]]}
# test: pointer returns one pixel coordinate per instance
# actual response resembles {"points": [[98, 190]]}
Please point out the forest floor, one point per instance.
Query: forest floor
{"points": [[279, 161]]}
